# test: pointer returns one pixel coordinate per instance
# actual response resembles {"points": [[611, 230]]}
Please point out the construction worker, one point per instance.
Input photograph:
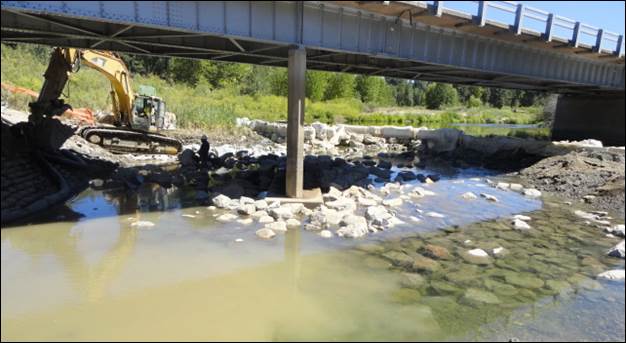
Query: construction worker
{"points": [[204, 151]]}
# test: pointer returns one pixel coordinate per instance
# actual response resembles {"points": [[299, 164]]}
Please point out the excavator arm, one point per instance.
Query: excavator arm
{"points": [[65, 61]]}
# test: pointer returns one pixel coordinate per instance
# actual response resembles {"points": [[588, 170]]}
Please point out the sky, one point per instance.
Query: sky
{"points": [[608, 15]]}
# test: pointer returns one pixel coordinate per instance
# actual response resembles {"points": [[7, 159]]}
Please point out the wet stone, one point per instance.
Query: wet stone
{"points": [[437, 252], [444, 288], [405, 296], [421, 263], [524, 280], [477, 297], [412, 280]]}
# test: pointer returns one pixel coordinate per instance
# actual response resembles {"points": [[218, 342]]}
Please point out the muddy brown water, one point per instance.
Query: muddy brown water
{"points": [[186, 278]]}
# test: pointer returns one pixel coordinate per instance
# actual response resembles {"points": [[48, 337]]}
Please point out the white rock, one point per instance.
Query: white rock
{"points": [[516, 187], [614, 275], [246, 200], [352, 231], [392, 202], [478, 253], [522, 217], [265, 233], [415, 219], [326, 233], [617, 251], [342, 204], [259, 214], [246, 209], [245, 221], [503, 185], [211, 208], [423, 191], [435, 214], [283, 212], [238, 240], [260, 204], [266, 219], [277, 226], [366, 201], [293, 222], [377, 212], [617, 230], [498, 250], [520, 224], [222, 201], [188, 216], [142, 224], [469, 196], [226, 217], [489, 197], [531, 192], [312, 227]]}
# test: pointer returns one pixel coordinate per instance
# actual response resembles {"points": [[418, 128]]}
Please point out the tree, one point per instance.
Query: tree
{"points": [[316, 84], [278, 81], [439, 94], [404, 94], [374, 90], [224, 74], [185, 70], [340, 85], [500, 97], [419, 93]]}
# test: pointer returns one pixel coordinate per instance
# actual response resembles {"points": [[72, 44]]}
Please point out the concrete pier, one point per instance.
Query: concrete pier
{"points": [[295, 121], [579, 117]]}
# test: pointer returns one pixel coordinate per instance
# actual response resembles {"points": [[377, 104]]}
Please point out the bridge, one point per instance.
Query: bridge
{"points": [[430, 41]]}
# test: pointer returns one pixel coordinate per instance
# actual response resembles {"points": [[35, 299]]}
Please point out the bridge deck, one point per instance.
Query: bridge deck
{"points": [[405, 39]]}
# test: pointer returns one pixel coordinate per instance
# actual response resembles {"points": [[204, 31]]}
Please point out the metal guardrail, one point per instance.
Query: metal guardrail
{"points": [[605, 41]]}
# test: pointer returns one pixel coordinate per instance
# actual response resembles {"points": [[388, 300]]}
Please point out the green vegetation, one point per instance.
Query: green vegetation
{"points": [[206, 94]]}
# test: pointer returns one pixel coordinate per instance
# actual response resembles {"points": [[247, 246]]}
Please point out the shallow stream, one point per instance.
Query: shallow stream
{"points": [[98, 277]]}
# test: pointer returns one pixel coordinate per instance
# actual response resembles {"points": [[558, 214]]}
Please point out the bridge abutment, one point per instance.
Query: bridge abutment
{"points": [[579, 117]]}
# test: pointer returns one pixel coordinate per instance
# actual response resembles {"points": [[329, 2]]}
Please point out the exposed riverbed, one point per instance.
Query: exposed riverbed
{"points": [[190, 277]]}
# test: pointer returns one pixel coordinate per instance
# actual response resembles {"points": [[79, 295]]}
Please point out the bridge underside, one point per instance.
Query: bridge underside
{"points": [[470, 63]]}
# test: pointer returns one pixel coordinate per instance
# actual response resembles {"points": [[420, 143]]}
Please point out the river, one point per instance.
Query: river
{"points": [[86, 273]]}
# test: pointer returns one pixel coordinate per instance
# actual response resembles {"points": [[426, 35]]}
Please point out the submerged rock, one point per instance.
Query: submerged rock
{"points": [[279, 226], [615, 275], [226, 217], [265, 233], [326, 233], [437, 252], [469, 196], [519, 224], [142, 224], [477, 297], [617, 251], [489, 197], [532, 193], [523, 280]]}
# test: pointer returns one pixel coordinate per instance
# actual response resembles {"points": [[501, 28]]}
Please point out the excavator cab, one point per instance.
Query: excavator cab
{"points": [[148, 109]]}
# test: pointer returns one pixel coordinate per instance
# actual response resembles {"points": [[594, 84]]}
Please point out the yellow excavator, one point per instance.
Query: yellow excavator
{"points": [[136, 117]]}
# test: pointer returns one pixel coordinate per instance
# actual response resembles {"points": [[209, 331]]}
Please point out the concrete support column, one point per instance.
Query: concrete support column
{"points": [[579, 117], [295, 121]]}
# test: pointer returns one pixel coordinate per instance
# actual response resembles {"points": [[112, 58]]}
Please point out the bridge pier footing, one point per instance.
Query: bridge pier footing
{"points": [[296, 75], [579, 117]]}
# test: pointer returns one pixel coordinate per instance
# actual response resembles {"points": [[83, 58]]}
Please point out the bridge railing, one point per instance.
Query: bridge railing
{"points": [[603, 41]]}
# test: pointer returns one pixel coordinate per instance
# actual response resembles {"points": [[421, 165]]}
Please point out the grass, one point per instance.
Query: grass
{"points": [[202, 107]]}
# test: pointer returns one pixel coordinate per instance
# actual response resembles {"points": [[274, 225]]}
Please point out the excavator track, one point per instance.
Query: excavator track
{"points": [[121, 140]]}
